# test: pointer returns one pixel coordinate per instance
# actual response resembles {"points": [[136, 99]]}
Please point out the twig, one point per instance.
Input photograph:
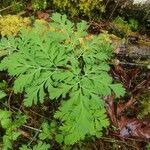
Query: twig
{"points": [[128, 63], [32, 128], [119, 141], [34, 137], [24, 133], [40, 115], [36, 134], [6, 8], [146, 15], [9, 99], [137, 140], [107, 3], [21, 13], [133, 64], [132, 139], [114, 9]]}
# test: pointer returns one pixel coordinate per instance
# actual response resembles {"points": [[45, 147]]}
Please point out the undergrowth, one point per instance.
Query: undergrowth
{"points": [[83, 7], [124, 28]]}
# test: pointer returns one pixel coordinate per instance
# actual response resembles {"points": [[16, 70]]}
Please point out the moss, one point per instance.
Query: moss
{"points": [[39, 4], [12, 24], [145, 105], [76, 7]]}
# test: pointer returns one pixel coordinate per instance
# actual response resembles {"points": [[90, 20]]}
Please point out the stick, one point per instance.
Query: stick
{"points": [[6, 8]]}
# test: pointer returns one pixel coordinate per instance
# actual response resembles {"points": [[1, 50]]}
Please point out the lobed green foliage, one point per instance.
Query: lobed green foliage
{"points": [[64, 64]]}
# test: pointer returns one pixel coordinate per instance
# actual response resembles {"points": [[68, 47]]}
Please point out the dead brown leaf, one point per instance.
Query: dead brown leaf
{"points": [[136, 128], [43, 15]]}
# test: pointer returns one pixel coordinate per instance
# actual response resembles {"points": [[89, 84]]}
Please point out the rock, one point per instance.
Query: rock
{"points": [[140, 1]]}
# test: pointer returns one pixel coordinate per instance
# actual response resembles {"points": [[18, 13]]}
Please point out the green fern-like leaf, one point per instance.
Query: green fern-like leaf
{"points": [[86, 117], [64, 64]]}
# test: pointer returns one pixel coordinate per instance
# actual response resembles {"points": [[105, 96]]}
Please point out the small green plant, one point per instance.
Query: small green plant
{"points": [[11, 128], [145, 105], [64, 64], [133, 24], [47, 131], [40, 146]]}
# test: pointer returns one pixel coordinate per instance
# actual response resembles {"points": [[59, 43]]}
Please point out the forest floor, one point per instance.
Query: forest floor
{"points": [[130, 65]]}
